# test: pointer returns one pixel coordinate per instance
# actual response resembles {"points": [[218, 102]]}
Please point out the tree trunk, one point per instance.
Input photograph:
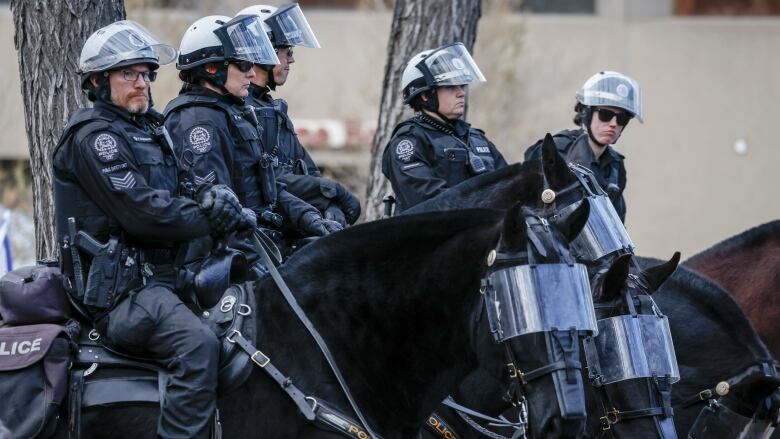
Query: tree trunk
{"points": [[48, 37], [417, 26]]}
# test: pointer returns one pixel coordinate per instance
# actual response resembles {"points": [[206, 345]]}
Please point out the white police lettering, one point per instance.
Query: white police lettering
{"points": [[404, 150], [105, 147], [483, 150], [200, 139], [23, 347]]}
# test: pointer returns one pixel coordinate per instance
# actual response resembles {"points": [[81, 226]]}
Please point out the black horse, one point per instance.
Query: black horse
{"points": [[398, 303], [715, 343]]}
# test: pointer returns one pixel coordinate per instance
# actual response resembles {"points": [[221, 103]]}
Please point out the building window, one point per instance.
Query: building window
{"points": [[727, 7], [559, 6]]}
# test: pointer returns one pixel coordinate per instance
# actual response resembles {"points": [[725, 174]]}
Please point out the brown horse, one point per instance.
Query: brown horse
{"points": [[748, 266]]}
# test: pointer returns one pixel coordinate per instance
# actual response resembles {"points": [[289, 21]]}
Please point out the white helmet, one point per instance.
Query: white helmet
{"points": [[285, 25], [121, 44], [219, 38], [448, 65], [612, 89]]}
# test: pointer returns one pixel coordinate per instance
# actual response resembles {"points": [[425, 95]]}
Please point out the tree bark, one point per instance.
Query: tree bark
{"points": [[417, 26], [48, 37]]}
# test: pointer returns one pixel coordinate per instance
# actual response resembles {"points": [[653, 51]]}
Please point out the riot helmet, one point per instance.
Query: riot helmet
{"points": [[448, 65], [119, 44], [608, 89], [219, 40]]}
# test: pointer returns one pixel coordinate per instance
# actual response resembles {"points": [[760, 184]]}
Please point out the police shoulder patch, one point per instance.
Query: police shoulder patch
{"points": [[106, 147], [200, 138], [404, 150]]}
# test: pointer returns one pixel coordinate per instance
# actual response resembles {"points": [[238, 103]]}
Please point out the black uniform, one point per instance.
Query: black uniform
{"points": [[293, 165], [609, 169], [426, 157], [217, 136], [112, 174]]}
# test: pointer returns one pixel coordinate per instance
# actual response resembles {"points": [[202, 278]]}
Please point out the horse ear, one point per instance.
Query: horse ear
{"points": [[571, 226], [615, 278], [514, 235], [656, 276], [554, 166]]}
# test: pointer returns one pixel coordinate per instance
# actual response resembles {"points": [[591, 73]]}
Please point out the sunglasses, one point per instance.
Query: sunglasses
{"points": [[289, 51], [243, 66], [132, 75], [607, 115]]}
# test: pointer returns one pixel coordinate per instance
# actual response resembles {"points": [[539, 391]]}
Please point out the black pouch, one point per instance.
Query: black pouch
{"points": [[33, 294], [34, 363]]}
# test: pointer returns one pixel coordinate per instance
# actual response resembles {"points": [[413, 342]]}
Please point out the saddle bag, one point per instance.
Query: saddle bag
{"points": [[33, 294], [34, 362]]}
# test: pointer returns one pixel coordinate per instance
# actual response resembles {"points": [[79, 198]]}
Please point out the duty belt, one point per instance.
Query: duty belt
{"points": [[157, 256]]}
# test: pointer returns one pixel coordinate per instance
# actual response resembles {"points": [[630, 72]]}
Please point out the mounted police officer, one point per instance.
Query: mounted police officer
{"points": [[605, 104], [436, 149], [216, 133], [120, 223], [287, 27]]}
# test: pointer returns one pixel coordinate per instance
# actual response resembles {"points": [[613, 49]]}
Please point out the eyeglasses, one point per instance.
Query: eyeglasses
{"points": [[607, 115], [289, 51], [243, 66], [132, 75]]}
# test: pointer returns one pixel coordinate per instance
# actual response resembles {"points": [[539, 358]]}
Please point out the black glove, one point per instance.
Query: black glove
{"points": [[248, 220], [222, 207], [334, 213], [348, 203], [269, 218], [312, 224]]}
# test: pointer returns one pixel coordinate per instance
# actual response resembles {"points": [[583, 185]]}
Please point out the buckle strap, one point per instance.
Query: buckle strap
{"points": [[552, 367], [337, 421], [437, 426], [264, 362]]}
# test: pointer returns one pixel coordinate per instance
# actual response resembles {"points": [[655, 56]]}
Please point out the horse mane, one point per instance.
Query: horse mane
{"points": [[747, 237], [708, 294], [457, 196], [392, 232]]}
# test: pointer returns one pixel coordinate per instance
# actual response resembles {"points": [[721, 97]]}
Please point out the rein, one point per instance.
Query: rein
{"points": [[277, 277]]}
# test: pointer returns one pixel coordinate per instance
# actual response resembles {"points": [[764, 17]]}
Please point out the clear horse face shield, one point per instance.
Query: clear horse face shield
{"points": [[450, 65], [527, 299], [243, 39], [632, 346], [290, 28], [603, 234]]}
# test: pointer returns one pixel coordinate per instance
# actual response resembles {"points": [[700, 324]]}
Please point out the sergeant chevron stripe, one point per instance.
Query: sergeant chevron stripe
{"points": [[208, 178], [125, 182]]}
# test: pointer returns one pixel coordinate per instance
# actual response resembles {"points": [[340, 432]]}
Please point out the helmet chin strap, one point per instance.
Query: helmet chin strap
{"points": [[587, 116], [271, 83], [432, 105]]}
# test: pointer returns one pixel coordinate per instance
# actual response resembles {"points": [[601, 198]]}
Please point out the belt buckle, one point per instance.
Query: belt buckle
{"points": [[260, 363]]}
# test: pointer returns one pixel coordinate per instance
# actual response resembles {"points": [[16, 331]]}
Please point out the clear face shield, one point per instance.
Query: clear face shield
{"points": [[632, 346], [450, 65], [243, 39], [290, 28], [122, 41], [527, 299], [603, 234]]}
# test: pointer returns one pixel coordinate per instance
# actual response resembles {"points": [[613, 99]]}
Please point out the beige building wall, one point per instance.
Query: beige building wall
{"points": [[708, 83]]}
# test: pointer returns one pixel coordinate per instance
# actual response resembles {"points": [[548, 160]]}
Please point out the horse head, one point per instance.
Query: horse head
{"points": [[539, 305], [631, 363]]}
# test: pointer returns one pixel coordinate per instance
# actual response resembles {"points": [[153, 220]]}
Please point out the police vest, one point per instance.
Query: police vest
{"points": [[448, 154], [278, 133], [157, 166], [249, 180]]}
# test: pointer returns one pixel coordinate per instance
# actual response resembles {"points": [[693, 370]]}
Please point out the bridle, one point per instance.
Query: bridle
{"points": [[764, 417]]}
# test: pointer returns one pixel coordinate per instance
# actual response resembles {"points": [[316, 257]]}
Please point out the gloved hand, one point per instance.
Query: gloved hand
{"points": [[248, 220], [312, 224], [222, 207], [334, 213], [348, 203]]}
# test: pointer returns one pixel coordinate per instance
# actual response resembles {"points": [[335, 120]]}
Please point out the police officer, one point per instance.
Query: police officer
{"points": [[216, 133], [287, 27], [115, 179], [436, 149], [605, 104]]}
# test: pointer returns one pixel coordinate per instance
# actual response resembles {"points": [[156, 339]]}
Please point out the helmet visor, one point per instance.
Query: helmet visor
{"points": [[121, 42], [243, 39], [450, 65], [290, 28]]}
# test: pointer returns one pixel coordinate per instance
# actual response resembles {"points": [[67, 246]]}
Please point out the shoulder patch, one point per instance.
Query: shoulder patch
{"points": [[404, 150], [105, 145], [125, 182], [200, 138]]}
